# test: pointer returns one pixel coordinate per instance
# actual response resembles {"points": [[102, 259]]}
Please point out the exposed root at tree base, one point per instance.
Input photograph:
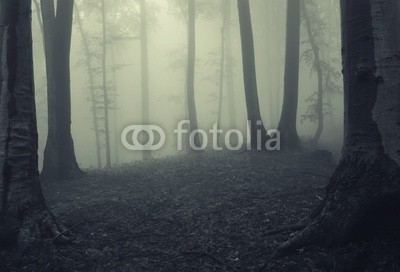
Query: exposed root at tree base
{"points": [[357, 196], [38, 227]]}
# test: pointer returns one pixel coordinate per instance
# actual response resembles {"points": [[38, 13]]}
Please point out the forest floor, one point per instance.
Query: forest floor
{"points": [[199, 212]]}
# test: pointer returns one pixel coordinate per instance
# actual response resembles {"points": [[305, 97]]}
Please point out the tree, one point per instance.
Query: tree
{"points": [[191, 102], [288, 122], [317, 65], [249, 73], [224, 9], [24, 216], [365, 186], [105, 83], [89, 68], [115, 17], [59, 155], [144, 69], [187, 11], [327, 74], [230, 65]]}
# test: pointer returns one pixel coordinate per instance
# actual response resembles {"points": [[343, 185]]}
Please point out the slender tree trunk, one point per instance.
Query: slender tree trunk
{"points": [[229, 67], [318, 68], [288, 122], [365, 187], [105, 84], [249, 74], [329, 96], [222, 65], [191, 70], [24, 216], [145, 70], [59, 155], [39, 17], [115, 106], [89, 68]]}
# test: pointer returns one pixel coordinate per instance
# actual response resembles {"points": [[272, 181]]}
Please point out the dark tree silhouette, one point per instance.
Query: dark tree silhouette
{"points": [[191, 101], [229, 66], [317, 65], [59, 155], [365, 186], [24, 216], [249, 73], [288, 122]]}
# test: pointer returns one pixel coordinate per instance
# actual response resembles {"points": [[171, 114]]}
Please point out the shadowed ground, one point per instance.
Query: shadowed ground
{"points": [[200, 212]]}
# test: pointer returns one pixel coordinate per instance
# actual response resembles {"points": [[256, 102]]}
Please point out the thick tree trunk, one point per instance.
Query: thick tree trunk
{"points": [[249, 74], [191, 101], [365, 185], [318, 68], [288, 121], [59, 155], [89, 68], [105, 84], [24, 216], [145, 70], [229, 67]]}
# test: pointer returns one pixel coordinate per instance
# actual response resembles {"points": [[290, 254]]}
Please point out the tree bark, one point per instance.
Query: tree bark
{"points": [[318, 68], [59, 155], [145, 70], [365, 186], [288, 121], [249, 74], [89, 68], [191, 101], [24, 216], [105, 84]]}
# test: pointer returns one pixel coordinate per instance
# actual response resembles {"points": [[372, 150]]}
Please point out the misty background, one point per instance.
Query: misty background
{"points": [[167, 46]]}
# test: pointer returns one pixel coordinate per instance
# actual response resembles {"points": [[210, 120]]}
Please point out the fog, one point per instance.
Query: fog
{"points": [[167, 46]]}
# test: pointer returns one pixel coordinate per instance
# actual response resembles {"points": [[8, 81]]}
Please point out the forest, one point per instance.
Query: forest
{"points": [[200, 135]]}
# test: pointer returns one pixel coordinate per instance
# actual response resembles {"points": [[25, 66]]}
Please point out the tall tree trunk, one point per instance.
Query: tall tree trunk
{"points": [[24, 216], [288, 122], [39, 17], [115, 106], [249, 74], [222, 65], [318, 68], [105, 84], [191, 70], [89, 68], [329, 95], [229, 67], [145, 70], [59, 155], [365, 185]]}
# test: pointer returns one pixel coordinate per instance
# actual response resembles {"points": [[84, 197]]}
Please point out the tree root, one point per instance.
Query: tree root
{"points": [[292, 228], [309, 235], [38, 227], [358, 191]]}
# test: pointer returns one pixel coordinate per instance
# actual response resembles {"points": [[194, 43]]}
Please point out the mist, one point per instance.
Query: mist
{"points": [[167, 44]]}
